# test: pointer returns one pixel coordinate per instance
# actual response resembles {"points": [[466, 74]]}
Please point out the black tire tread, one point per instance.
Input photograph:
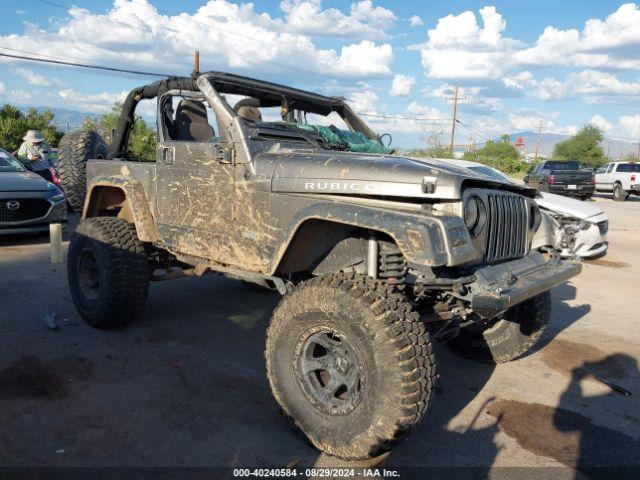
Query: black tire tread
{"points": [[129, 273], [74, 150], [542, 306], [396, 326]]}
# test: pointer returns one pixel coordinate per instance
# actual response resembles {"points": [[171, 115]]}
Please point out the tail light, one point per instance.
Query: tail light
{"points": [[551, 180], [593, 180], [633, 178]]}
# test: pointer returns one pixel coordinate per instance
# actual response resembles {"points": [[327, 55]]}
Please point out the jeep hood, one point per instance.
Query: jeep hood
{"points": [[333, 172]]}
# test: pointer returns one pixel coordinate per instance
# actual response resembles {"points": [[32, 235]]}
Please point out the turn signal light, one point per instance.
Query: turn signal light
{"points": [[551, 180]]}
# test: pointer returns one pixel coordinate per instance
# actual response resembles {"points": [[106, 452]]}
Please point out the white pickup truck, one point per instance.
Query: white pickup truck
{"points": [[621, 178]]}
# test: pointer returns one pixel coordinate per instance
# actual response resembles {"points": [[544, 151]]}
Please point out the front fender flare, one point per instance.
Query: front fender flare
{"points": [[425, 241]]}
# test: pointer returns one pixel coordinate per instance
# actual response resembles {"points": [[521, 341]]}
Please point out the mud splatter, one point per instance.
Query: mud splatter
{"points": [[31, 377], [566, 357], [607, 263], [566, 436]]}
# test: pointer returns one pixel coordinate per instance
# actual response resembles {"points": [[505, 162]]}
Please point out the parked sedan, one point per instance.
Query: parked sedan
{"points": [[584, 223], [28, 203]]}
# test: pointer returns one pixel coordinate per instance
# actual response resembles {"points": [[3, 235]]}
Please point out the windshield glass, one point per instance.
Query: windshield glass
{"points": [[563, 166], [8, 163], [491, 172]]}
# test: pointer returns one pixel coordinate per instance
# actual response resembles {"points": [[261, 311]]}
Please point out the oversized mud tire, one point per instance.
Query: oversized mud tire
{"points": [[350, 364], [619, 195], [508, 338], [74, 151], [108, 272]]}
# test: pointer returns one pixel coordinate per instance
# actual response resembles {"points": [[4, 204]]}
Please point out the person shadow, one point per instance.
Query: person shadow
{"points": [[593, 447]]}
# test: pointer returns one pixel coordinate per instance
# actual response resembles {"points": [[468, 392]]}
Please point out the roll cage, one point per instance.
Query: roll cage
{"points": [[212, 85]]}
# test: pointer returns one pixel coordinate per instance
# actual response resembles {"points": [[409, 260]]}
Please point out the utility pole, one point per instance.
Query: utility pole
{"points": [[608, 148], [535, 157], [453, 124], [638, 151], [196, 62]]}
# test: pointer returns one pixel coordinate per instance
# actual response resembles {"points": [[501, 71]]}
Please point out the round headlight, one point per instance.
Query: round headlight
{"points": [[475, 215]]}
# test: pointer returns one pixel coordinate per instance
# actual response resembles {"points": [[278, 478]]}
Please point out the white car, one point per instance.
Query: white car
{"points": [[621, 178], [584, 223]]}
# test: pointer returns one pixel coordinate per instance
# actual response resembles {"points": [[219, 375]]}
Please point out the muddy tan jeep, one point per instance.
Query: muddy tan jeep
{"points": [[375, 254]]}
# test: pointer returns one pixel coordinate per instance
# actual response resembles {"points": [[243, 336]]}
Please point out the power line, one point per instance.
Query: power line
{"points": [[81, 65], [425, 119]]}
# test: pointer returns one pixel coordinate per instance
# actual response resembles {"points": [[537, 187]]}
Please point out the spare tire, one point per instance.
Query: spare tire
{"points": [[74, 150]]}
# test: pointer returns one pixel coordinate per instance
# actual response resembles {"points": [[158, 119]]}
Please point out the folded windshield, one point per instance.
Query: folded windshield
{"points": [[329, 137]]}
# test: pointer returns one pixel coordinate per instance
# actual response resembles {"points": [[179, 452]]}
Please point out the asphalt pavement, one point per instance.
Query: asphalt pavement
{"points": [[185, 385]]}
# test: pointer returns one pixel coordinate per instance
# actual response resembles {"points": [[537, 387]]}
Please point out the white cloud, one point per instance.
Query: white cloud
{"points": [[609, 43], [229, 36], [415, 21], [35, 79], [402, 85], [630, 126], [364, 20], [365, 101], [1, 88], [94, 103], [592, 84], [459, 48], [602, 123], [425, 111], [18, 95]]}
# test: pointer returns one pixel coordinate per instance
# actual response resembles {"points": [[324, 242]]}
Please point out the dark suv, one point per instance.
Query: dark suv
{"points": [[562, 177]]}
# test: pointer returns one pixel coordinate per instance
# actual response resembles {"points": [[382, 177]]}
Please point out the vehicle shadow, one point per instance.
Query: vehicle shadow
{"points": [[185, 386]]}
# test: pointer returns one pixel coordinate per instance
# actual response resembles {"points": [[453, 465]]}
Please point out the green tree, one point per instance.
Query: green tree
{"points": [[142, 140], [501, 155], [584, 146], [14, 124]]}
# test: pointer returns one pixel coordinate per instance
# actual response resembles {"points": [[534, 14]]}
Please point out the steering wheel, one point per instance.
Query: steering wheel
{"points": [[386, 135]]}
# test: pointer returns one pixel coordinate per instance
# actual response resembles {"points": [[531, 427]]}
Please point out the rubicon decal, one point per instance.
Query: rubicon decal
{"points": [[344, 186]]}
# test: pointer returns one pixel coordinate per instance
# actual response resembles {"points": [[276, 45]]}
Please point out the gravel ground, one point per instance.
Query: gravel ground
{"points": [[185, 386]]}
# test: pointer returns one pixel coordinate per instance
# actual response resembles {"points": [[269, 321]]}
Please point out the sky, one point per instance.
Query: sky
{"points": [[519, 65]]}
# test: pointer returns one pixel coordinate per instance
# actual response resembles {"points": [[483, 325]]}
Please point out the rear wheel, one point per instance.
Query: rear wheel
{"points": [[350, 364], [507, 338], [108, 271], [75, 149], [619, 195]]}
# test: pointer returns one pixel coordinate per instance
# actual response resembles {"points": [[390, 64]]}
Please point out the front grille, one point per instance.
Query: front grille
{"points": [[603, 226], [507, 230], [23, 209]]}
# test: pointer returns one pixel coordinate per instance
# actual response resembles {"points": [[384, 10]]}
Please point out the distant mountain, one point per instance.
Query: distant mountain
{"points": [[64, 119]]}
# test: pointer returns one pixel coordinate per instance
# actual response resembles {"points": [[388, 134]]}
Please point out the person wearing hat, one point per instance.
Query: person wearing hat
{"points": [[34, 154]]}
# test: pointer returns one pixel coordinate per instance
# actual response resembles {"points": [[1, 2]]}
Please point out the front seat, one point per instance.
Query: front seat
{"points": [[192, 122]]}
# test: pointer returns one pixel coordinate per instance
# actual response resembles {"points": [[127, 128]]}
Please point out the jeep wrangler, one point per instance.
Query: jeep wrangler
{"points": [[375, 255]]}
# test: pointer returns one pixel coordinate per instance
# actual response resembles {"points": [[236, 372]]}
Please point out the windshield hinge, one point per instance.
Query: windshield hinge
{"points": [[224, 154]]}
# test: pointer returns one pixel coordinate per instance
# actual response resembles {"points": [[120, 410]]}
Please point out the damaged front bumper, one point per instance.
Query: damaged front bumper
{"points": [[499, 287]]}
